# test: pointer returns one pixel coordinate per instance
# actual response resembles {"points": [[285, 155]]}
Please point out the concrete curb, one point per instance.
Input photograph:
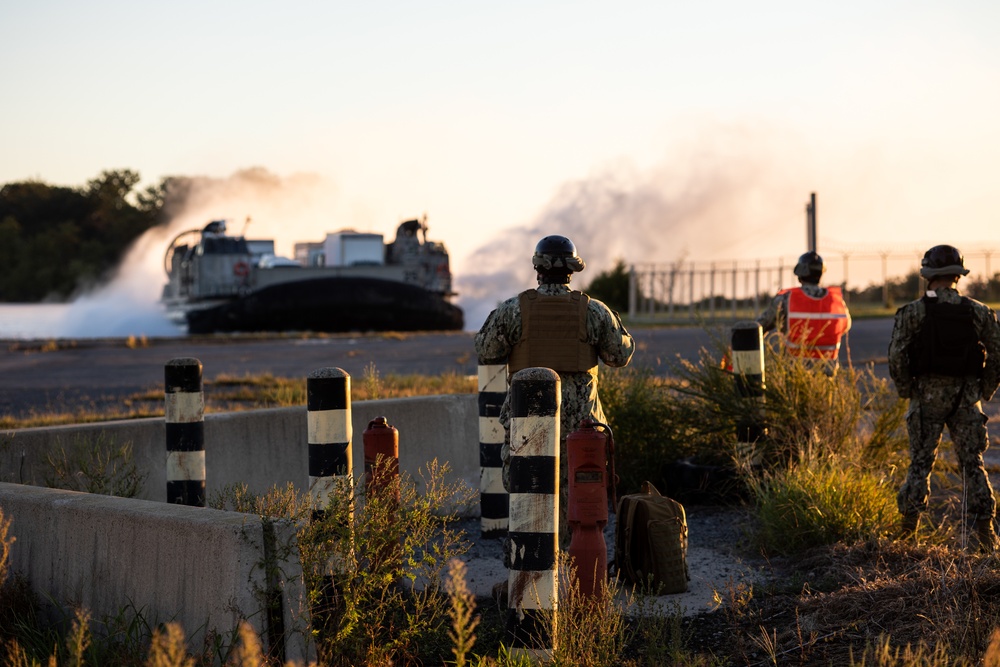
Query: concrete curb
{"points": [[199, 567]]}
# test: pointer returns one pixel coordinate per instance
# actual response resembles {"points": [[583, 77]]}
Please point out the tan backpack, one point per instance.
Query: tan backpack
{"points": [[651, 539]]}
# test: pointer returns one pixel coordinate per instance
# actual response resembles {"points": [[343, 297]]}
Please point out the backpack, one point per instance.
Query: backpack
{"points": [[948, 343], [651, 539]]}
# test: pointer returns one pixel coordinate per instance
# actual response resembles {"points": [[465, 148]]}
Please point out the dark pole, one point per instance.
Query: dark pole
{"points": [[811, 223]]}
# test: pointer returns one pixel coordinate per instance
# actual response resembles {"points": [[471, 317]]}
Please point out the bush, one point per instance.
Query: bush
{"points": [[693, 413], [814, 505]]}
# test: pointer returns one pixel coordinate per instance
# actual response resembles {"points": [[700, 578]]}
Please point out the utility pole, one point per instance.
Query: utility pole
{"points": [[811, 223]]}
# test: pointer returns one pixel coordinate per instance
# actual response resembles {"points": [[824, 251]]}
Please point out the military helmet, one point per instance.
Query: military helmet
{"points": [[943, 260], [556, 254], [810, 267]]}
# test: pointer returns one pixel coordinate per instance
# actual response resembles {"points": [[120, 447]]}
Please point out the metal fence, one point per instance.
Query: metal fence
{"points": [[730, 290]]}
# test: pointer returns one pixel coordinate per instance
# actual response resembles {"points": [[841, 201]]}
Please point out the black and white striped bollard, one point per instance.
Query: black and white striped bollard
{"points": [[533, 531], [748, 373], [328, 402], [328, 410], [493, 500], [184, 412]]}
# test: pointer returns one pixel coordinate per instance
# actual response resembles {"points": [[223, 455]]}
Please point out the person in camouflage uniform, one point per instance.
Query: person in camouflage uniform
{"points": [[825, 318], [944, 355], [501, 339]]}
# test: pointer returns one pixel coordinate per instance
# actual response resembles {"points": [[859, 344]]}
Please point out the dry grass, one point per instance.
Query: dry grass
{"points": [[854, 598], [876, 602], [231, 393]]}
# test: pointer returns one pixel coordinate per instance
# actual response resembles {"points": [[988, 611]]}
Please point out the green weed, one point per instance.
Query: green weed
{"points": [[805, 506], [95, 466]]}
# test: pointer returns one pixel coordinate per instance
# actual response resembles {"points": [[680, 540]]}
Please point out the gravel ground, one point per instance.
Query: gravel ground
{"points": [[713, 536]]}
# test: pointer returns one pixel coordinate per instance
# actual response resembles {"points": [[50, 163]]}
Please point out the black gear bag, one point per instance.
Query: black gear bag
{"points": [[948, 343]]}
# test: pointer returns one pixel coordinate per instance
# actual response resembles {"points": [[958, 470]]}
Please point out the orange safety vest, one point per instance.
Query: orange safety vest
{"points": [[814, 326]]}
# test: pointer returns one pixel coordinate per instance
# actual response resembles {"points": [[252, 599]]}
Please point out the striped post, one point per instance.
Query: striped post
{"points": [[532, 537], [493, 500], [185, 426], [748, 371], [328, 411], [328, 399]]}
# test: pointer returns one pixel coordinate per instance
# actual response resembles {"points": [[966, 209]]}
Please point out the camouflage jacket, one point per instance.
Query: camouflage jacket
{"points": [[905, 332], [605, 331], [775, 315]]}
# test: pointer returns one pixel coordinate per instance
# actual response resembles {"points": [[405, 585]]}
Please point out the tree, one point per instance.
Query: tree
{"points": [[58, 239], [611, 287], [112, 187]]}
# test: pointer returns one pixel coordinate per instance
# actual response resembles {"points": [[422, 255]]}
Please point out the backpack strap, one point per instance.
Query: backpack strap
{"points": [[626, 567]]}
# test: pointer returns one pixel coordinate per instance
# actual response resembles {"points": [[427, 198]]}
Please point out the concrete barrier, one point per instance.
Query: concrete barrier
{"points": [[199, 567], [262, 448]]}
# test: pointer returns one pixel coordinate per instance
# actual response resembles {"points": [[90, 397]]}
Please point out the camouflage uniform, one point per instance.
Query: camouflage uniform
{"points": [[605, 331], [937, 401], [775, 315]]}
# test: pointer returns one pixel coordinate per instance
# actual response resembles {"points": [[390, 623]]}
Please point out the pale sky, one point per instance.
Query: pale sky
{"points": [[651, 131]]}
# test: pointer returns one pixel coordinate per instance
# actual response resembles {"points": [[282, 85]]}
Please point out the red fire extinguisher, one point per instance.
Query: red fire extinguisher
{"points": [[382, 485], [591, 472], [382, 448]]}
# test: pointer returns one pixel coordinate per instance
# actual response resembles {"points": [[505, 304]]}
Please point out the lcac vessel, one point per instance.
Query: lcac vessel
{"points": [[350, 281]]}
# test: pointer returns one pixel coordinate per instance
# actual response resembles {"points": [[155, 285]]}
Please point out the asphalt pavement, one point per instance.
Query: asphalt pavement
{"points": [[87, 373]]}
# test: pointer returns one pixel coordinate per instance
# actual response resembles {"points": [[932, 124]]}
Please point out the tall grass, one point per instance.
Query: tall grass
{"points": [[693, 412], [386, 554], [99, 466], [812, 505]]}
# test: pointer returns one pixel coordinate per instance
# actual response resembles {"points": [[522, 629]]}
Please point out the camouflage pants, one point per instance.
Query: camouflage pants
{"points": [[925, 422]]}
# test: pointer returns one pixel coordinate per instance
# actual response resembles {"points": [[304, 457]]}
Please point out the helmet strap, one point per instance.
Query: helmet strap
{"points": [[554, 278]]}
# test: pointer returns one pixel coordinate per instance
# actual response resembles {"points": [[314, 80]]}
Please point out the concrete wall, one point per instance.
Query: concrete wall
{"points": [[262, 448], [199, 567]]}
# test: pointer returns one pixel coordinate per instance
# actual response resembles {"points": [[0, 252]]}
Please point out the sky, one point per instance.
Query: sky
{"points": [[645, 131]]}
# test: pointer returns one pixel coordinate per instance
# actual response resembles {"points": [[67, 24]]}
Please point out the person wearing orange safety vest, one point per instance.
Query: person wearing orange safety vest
{"points": [[813, 319]]}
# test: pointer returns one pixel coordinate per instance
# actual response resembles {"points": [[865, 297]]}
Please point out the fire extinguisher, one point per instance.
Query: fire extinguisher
{"points": [[591, 472], [382, 486], [381, 442]]}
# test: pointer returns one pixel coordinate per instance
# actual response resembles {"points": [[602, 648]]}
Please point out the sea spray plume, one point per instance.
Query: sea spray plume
{"points": [[286, 209], [290, 209], [718, 202]]}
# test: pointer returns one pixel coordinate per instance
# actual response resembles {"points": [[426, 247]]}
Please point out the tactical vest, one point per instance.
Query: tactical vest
{"points": [[948, 343], [815, 325], [553, 333]]}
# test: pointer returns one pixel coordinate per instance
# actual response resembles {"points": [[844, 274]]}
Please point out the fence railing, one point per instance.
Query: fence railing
{"points": [[737, 289]]}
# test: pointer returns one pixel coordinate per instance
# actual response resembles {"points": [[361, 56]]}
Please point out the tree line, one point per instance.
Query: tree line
{"points": [[56, 240]]}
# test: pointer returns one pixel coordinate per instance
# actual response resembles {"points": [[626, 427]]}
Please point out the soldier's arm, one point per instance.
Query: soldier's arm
{"points": [[899, 352], [768, 320], [498, 334], [614, 343], [990, 335]]}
